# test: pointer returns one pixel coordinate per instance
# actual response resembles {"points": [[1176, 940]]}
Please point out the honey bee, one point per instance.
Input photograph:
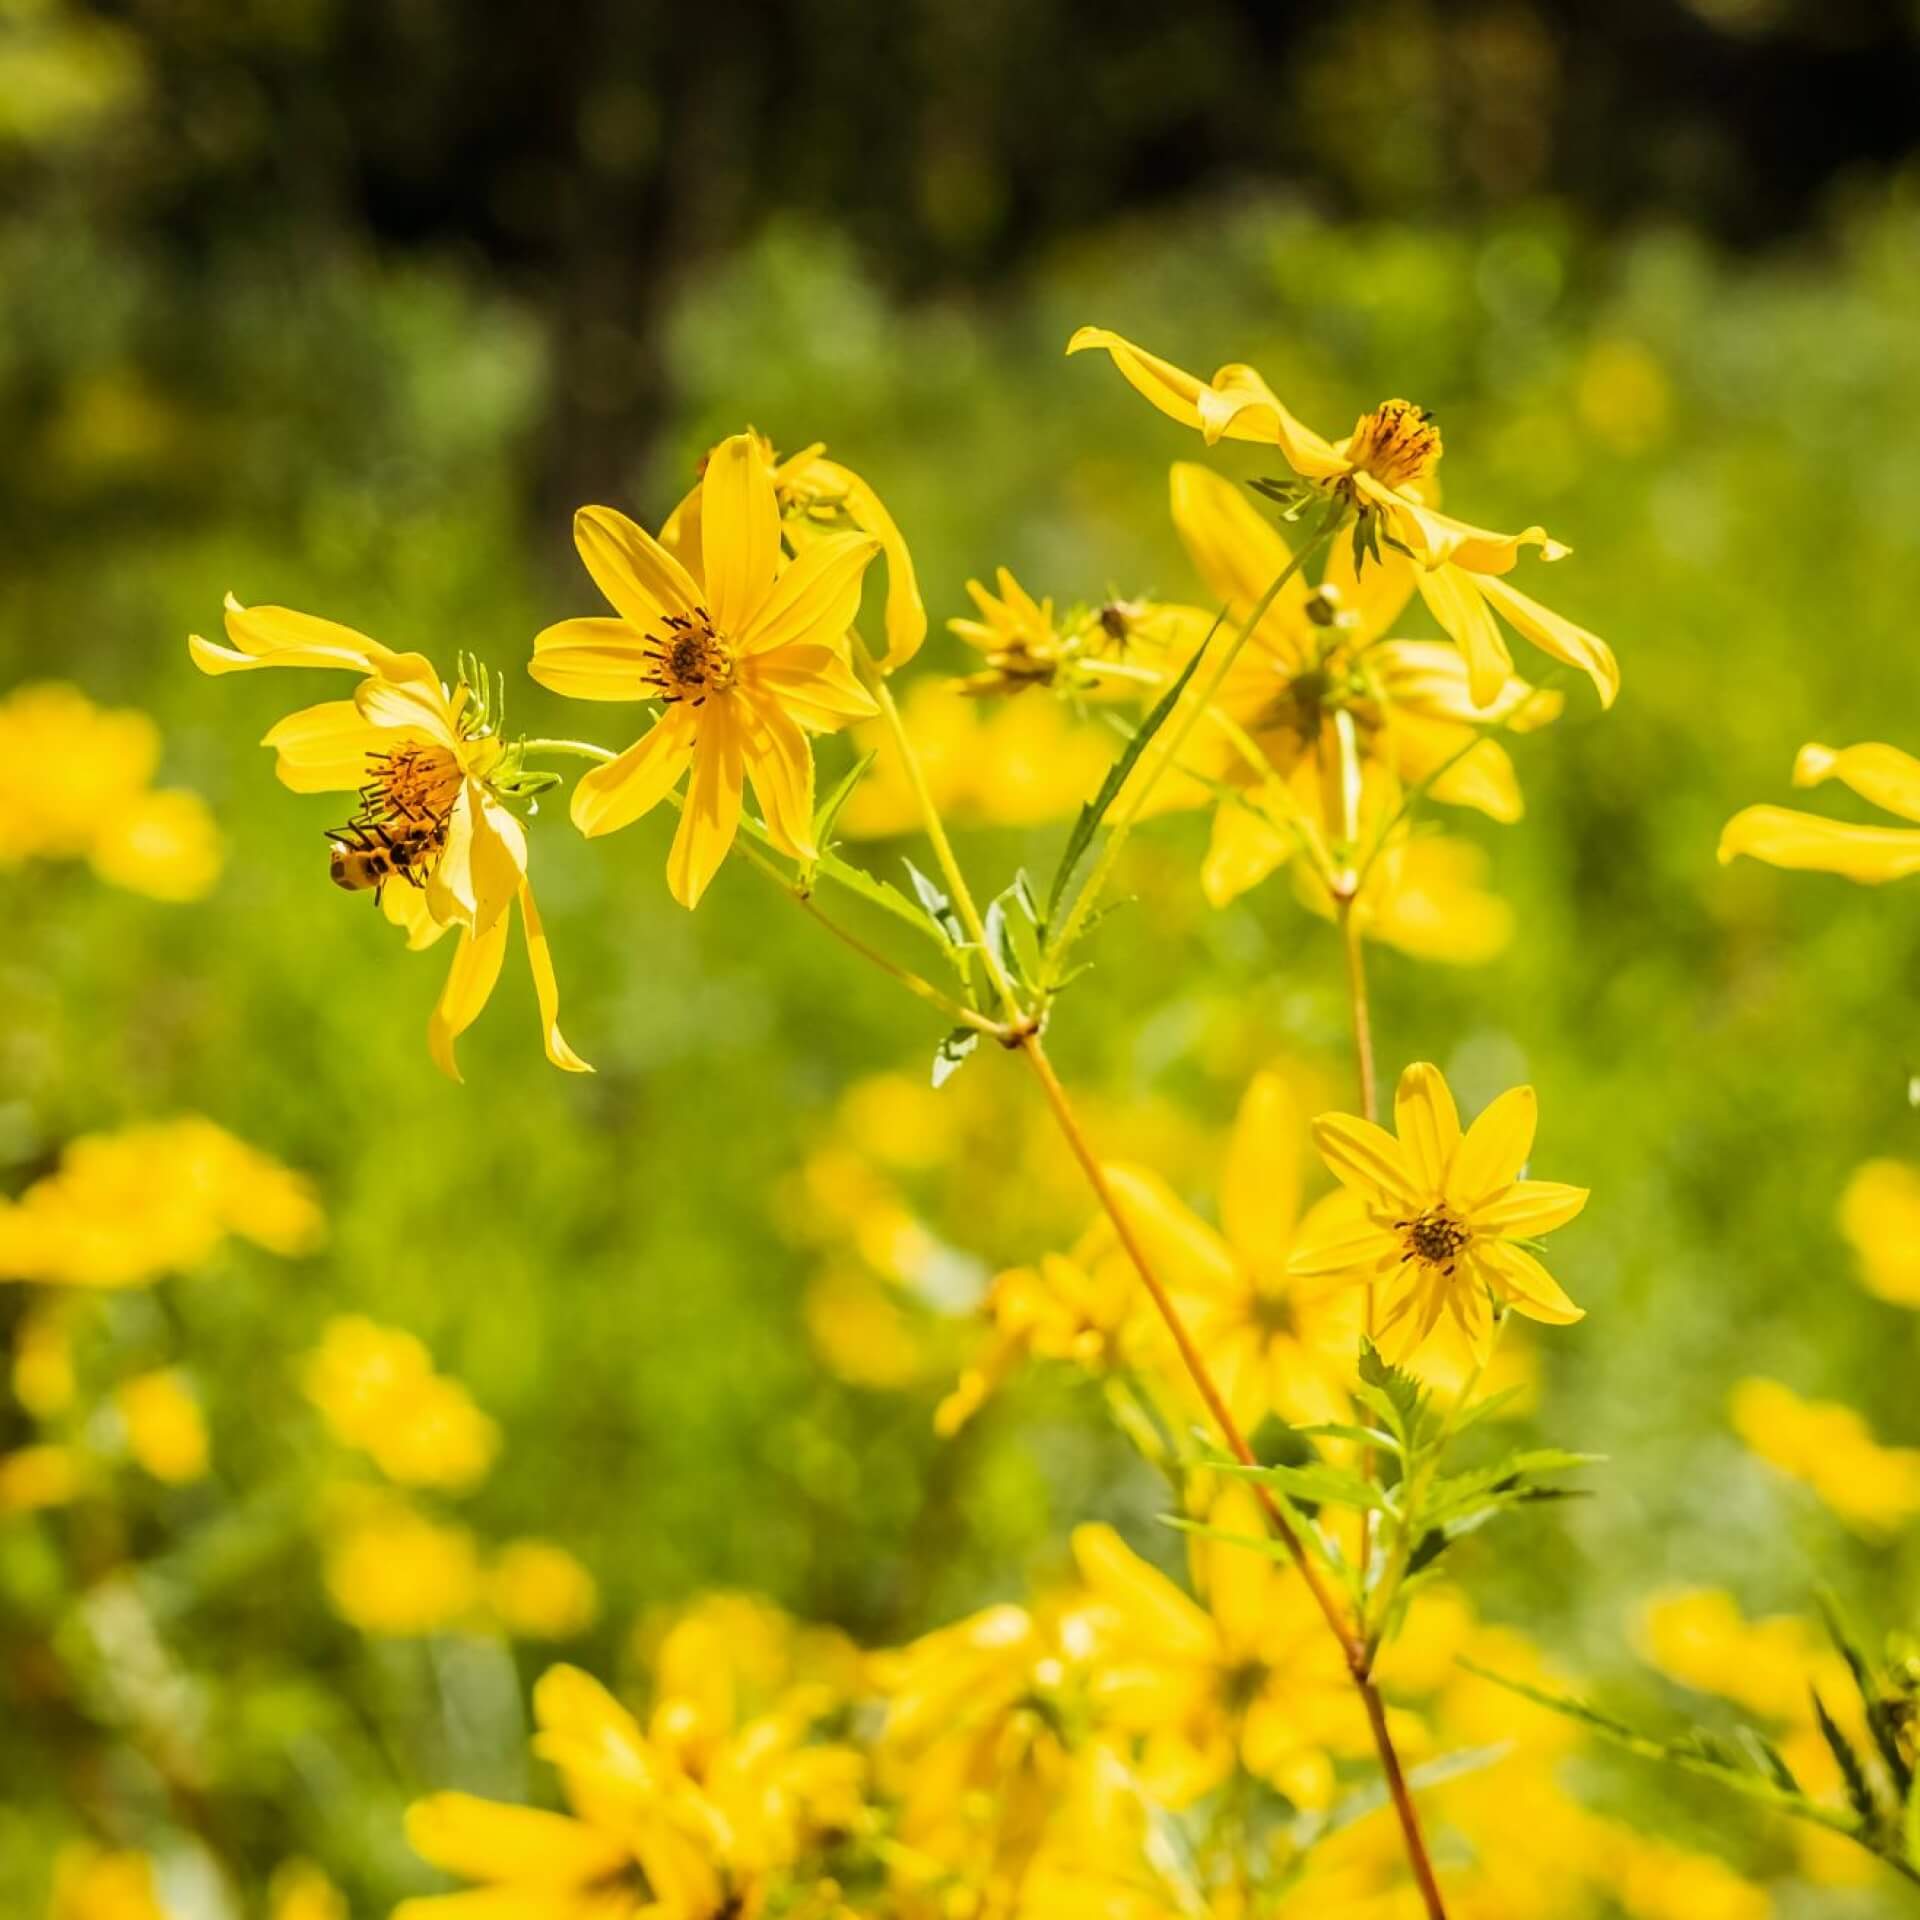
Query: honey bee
{"points": [[367, 854]]}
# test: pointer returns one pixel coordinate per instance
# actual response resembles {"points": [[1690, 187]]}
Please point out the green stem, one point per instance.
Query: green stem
{"points": [[1167, 750], [578, 749]]}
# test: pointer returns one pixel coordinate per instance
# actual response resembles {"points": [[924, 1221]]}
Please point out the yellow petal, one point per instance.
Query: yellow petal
{"points": [[1530, 1208], [324, 749], [617, 794], [478, 874], [1525, 1283], [1260, 1183], [1428, 1124], [815, 685], [546, 986], [739, 532], [779, 762], [1369, 1160], [1882, 774], [1455, 600], [1177, 1241], [280, 637], [470, 983], [1439, 539], [711, 816], [596, 659], [906, 611], [418, 708], [1243, 849], [640, 578], [1342, 1245], [1236, 551], [490, 1840], [1429, 678], [405, 906], [816, 599], [1156, 1612], [1553, 634], [1494, 1151], [1460, 770], [1804, 841], [1375, 594]]}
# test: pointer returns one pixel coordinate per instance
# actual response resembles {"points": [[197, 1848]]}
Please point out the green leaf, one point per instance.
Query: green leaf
{"points": [[1487, 1409], [1342, 1430], [1095, 810], [1852, 1771], [882, 894], [1394, 1394], [952, 1053], [1318, 1485], [938, 907], [1886, 1736], [828, 811]]}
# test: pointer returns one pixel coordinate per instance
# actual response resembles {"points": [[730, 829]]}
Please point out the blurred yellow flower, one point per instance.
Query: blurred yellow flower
{"points": [[1873, 1488], [1015, 632], [1442, 1212], [1880, 1217], [745, 652], [1698, 1637], [75, 784], [38, 1476], [300, 1891], [377, 1390], [92, 1884], [43, 1377], [166, 1431], [1249, 1678], [1782, 837], [435, 838], [1426, 896], [1383, 472], [1624, 396], [391, 1570], [124, 1208], [861, 1329], [539, 1591]]}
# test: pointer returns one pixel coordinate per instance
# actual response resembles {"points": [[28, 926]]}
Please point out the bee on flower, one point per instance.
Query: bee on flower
{"points": [[435, 837], [1444, 1214], [743, 651], [1381, 478]]}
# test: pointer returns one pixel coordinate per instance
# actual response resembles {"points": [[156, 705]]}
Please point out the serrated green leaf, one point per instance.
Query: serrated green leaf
{"points": [[879, 893], [1087, 824], [953, 1053], [1343, 1430], [1265, 1545], [937, 906], [1394, 1394], [1487, 1409], [1852, 1771], [1886, 1736], [828, 812], [1318, 1485]]}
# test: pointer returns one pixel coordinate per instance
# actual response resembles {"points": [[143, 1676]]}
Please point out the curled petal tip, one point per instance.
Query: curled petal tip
{"points": [[1813, 764]]}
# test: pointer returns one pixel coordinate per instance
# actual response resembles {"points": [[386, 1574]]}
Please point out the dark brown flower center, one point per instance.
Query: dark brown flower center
{"points": [[688, 660], [1434, 1238]]}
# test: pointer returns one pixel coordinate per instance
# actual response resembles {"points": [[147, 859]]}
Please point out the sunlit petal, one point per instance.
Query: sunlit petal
{"points": [[470, 984], [1428, 1124], [591, 659], [1494, 1151], [1529, 1208], [1368, 1159], [711, 816], [1521, 1279], [1882, 774], [739, 532], [615, 795], [815, 599], [639, 577], [1783, 838]]}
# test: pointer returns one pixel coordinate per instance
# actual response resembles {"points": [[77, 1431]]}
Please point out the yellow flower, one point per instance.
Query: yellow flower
{"points": [[39, 1476], [434, 837], [1274, 1342], [1880, 1217], [818, 496], [1383, 472], [300, 1891], [377, 1390], [1443, 1212], [1830, 1447], [1017, 635], [1782, 837], [745, 651], [75, 784], [166, 1431], [390, 1570], [655, 1827], [89, 1884], [1698, 1637], [539, 1591], [1425, 895], [1251, 1678], [123, 1208]]}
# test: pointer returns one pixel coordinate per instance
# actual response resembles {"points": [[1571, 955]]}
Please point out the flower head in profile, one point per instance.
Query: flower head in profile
{"points": [[433, 836], [1783, 837], [1444, 1213], [743, 650], [1383, 475]]}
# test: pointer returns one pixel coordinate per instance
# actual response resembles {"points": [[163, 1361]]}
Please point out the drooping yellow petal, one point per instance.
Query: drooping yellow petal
{"points": [[1494, 1151], [641, 580], [1520, 1279], [470, 984], [1783, 838], [711, 816], [1260, 1183], [478, 873], [546, 986], [405, 906], [1455, 600], [1155, 1610], [1529, 1208], [1236, 550], [489, 1840], [1554, 634], [1237, 404], [906, 614], [779, 762], [1429, 678], [1369, 1160], [1884, 775], [615, 795], [323, 749], [590, 659], [739, 532], [815, 599], [280, 637], [1438, 539], [1428, 1124]]}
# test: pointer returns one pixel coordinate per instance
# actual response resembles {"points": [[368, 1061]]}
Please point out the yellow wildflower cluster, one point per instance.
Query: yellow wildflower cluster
{"points": [[76, 783], [1873, 1488]]}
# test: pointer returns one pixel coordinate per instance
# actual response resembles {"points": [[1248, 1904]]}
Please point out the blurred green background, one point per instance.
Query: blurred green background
{"points": [[345, 306]]}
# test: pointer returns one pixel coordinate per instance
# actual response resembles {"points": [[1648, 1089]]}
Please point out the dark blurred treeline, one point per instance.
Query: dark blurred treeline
{"points": [[585, 155]]}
